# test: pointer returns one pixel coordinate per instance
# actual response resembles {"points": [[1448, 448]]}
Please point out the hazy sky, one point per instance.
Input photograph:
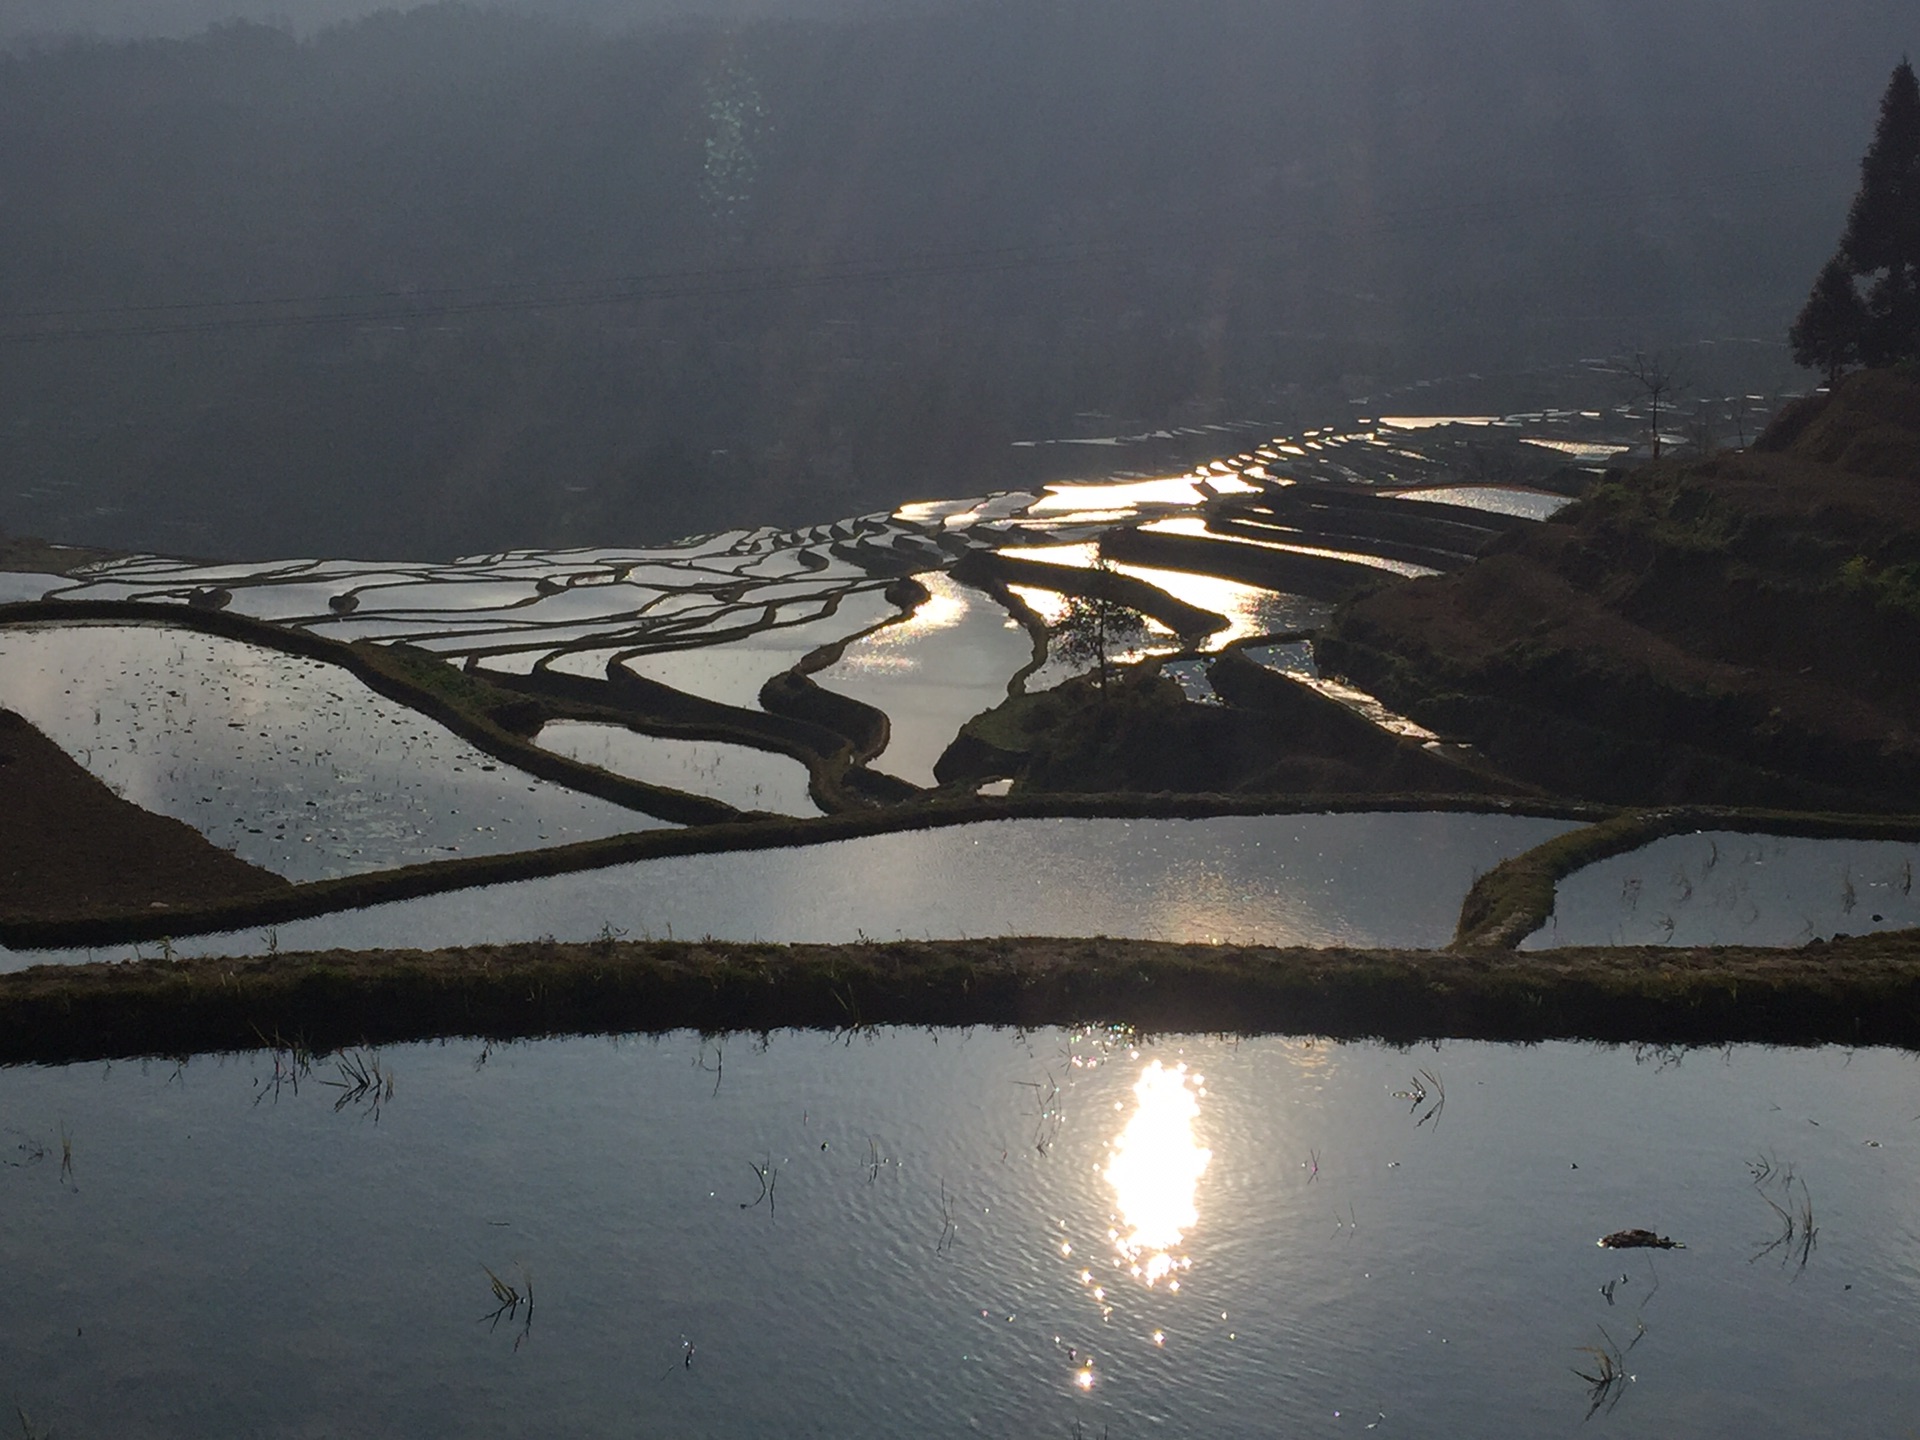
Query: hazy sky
{"points": [[130, 19]]}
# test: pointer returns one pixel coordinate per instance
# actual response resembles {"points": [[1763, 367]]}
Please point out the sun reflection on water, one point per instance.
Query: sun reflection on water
{"points": [[1155, 1171]]}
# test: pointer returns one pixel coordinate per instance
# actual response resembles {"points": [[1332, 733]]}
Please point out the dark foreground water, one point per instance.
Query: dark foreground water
{"points": [[982, 1233]]}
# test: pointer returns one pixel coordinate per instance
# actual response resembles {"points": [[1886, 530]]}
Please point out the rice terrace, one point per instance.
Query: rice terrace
{"points": [[1398, 923]]}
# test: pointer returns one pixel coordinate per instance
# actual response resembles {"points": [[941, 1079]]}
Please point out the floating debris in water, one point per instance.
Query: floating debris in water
{"points": [[1638, 1240]]}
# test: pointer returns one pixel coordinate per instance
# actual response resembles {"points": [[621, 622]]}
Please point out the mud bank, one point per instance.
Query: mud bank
{"points": [[1857, 991]]}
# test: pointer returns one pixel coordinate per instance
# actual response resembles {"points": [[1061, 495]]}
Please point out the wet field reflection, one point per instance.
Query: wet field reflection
{"points": [[804, 1234], [1155, 1173], [1360, 879]]}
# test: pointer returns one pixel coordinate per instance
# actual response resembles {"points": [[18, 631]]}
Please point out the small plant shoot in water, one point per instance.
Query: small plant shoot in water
{"points": [[510, 1299]]}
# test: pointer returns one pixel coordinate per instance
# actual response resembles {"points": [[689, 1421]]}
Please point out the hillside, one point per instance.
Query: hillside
{"points": [[1735, 629]]}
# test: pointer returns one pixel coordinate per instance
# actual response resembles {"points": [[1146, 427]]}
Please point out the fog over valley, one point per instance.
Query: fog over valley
{"points": [[455, 280]]}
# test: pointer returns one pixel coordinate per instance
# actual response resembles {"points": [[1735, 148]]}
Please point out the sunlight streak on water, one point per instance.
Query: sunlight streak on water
{"points": [[1499, 499], [1127, 494], [1248, 609], [1080, 555], [945, 607], [1196, 525], [1155, 1171], [1049, 605]]}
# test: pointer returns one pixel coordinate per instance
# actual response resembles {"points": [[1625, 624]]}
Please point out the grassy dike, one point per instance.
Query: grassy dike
{"points": [[1856, 991]]}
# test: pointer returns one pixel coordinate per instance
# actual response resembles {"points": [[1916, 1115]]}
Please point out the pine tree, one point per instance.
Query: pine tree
{"points": [[1831, 326], [1882, 240]]}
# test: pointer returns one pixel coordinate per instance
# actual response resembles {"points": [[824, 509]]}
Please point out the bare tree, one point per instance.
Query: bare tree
{"points": [[1657, 376]]}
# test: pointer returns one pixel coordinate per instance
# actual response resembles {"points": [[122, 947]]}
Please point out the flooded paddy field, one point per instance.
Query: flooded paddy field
{"points": [[1045, 1232], [743, 777], [733, 669], [1726, 888], [511, 610], [926, 615], [1318, 879], [292, 764], [1013, 1234], [1503, 499], [16, 587], [955, 656], [717, 616]]}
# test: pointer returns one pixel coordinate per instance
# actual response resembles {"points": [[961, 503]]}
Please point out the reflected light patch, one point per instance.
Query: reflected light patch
{"points": [[892, 648], [945, 607], [1080, 556], [1049, 605], [1155, 1172], [923, 512], [1197, 526], [1366, 705], [1579, 449], [1499, 499], [1248, 609], [1119, 494], [1063, 519], [1429, 422]]}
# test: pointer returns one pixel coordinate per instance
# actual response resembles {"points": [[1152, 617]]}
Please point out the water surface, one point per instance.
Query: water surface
{"points": [[930, 674], [292, 764], [16, 586], [963, 1233], [1723, 888], [733, 671], [740, 775], [1360, 879]]}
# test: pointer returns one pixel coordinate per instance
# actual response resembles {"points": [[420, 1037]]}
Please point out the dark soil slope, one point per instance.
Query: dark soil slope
{"points": [[1736, 629], [69, 845]]}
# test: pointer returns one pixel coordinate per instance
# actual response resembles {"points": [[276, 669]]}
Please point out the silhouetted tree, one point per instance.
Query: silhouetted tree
{"points": [[1831, 326], [1882, 240], [1657, 377], [1094, 628]]}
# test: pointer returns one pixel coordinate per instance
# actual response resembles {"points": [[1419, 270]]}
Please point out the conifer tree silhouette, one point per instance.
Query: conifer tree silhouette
{"points": [[1879, 250]]}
